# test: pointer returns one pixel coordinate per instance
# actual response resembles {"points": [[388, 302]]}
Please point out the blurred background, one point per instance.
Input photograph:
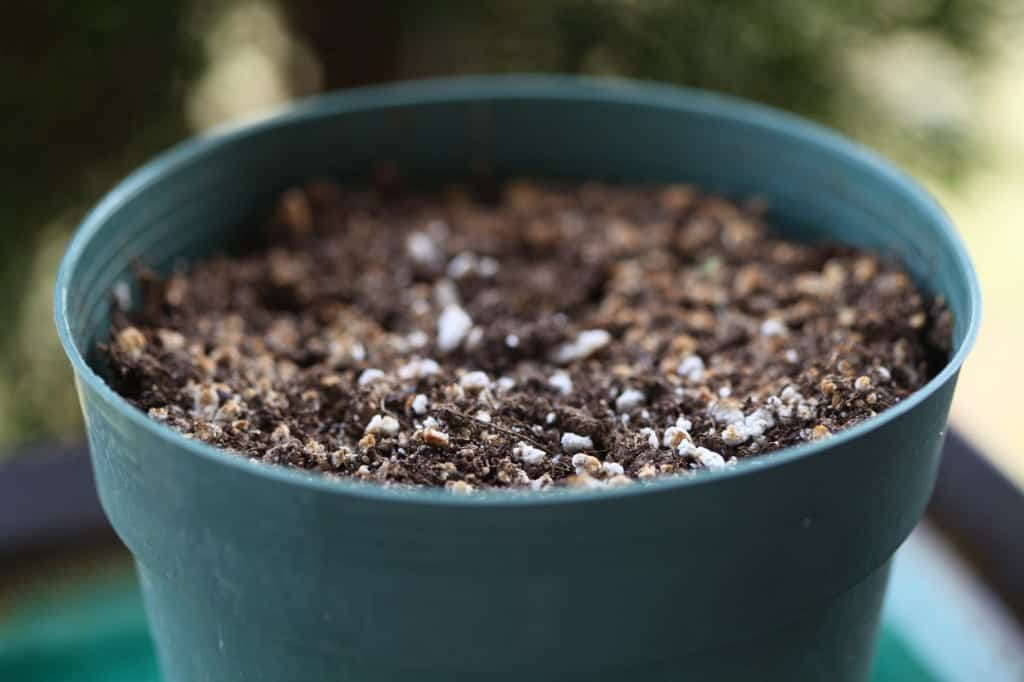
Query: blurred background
{"points": [[90, 89]]}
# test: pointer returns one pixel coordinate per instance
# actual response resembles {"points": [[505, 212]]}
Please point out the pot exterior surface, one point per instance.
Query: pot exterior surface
{"points": [[773, 570]]}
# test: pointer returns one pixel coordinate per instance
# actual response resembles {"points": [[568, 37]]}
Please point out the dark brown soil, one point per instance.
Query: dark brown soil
{"points": [[587, 335]]}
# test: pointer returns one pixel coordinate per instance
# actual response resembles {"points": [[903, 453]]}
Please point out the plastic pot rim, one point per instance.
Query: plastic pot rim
{"points": [[496, 88]]}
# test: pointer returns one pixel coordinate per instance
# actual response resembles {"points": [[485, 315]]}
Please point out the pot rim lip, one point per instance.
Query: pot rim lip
{"points": [[579, 89]]}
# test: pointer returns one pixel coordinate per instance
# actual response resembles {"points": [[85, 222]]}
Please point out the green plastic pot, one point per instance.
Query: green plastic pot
{"points": [[773, 570]]}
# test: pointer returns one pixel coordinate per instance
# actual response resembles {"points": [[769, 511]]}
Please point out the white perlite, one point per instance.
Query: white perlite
{"points": [[789, 402], [344, 352], [487, 266], [512, 341], [417, 369], [528, 454], [550, 418], [417, 339], [419, 404], [506, 383], [629, 399], [562, 382], [752, 425], [573, 442], [692, 368], [171, 340], [773, 327], [651, 435], [475, 381], [423, 250], [758, 421], [383, 424], [613, 469], [468, 262], [484, 417], [725, 411], [586, 344], [790, 395], [452, 327], [709, 459], [461, 265], [806, 411], [369, 376], [445, 293], [474, 337]]}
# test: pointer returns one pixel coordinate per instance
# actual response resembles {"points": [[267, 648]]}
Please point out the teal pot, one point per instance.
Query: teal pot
{"points": [[773, 570]]}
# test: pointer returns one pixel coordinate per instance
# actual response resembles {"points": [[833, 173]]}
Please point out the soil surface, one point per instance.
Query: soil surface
{"points": [[533, 336]]}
